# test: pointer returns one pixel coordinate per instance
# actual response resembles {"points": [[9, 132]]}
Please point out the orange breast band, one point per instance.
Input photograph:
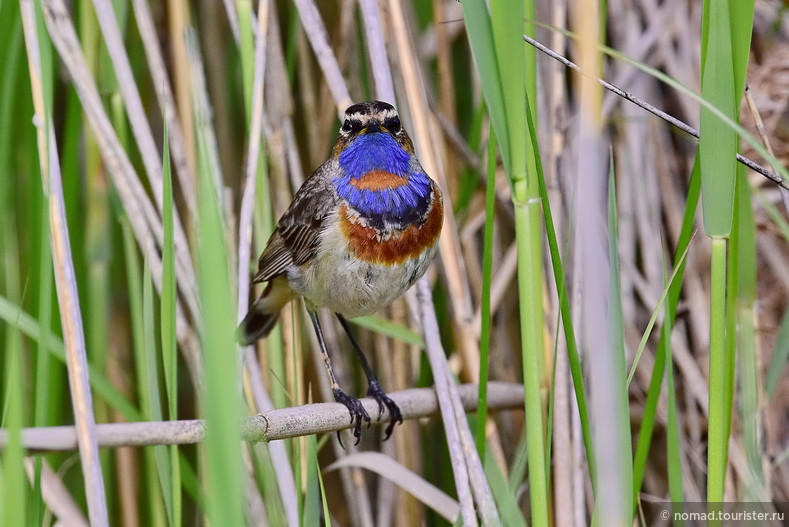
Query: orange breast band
{"points": [[378, 180]]}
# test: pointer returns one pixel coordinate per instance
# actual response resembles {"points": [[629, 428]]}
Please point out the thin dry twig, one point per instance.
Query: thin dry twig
{"points": [[66, 285], [273, 425], [756, 167], [757, 117]]}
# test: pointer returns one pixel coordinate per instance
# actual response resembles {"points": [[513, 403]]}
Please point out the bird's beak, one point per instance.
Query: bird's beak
{"points": [[372, 128]]}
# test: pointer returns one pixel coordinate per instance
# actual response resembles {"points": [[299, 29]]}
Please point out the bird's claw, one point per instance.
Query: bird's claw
{"points": [[357, 411], [375, 391]]}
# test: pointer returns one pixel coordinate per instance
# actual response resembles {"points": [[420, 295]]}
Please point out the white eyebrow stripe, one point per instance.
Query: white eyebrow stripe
{"points": [[356, 116], [363, 117]]}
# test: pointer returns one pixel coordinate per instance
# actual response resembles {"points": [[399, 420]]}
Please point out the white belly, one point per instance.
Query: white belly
{"points": [[336, 280]]}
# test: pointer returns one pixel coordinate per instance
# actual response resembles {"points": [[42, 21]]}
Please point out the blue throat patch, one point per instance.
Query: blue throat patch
{"points": [[402, 205]]}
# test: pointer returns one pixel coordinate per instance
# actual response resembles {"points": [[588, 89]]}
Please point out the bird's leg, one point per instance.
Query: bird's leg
{"points": [[373, 388], [358, 413]]}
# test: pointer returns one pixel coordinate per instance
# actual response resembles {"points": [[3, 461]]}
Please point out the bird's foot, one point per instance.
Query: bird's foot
{"points": [[375, 391], [357, 411]]}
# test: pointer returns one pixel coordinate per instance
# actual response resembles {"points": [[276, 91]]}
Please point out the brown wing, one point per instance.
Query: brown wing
{"points": [[296, 236]]}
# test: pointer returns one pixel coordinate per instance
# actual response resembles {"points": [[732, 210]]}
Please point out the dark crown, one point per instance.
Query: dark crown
{"points": [[370, 113]]}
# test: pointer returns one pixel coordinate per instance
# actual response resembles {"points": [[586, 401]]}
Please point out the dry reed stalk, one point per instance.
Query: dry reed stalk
{"points": [[66, 285], [178, 25], [74, 341], [373, 31], [284, 423], [319, 40], [185, 166]]}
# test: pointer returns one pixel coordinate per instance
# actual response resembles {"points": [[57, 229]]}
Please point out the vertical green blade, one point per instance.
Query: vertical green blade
{"points": [[718, 143]]}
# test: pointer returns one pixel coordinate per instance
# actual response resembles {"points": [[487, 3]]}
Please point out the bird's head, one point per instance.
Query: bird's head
{"points": [[372, 117]]}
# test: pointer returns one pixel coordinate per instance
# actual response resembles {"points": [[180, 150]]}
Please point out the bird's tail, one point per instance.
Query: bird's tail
{"points": [[264, 312]]}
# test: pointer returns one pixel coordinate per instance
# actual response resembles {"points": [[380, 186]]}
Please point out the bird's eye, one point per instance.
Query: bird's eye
{"points": [[394, 125], [346, 126]]}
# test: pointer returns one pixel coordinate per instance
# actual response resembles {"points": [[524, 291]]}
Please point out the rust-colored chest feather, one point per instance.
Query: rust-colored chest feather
{"points": [[394, 245]]}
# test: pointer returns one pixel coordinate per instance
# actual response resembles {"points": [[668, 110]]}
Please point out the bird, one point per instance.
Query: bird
{"points": [[361, 230]]}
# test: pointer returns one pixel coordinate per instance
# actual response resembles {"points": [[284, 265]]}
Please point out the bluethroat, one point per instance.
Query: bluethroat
{"points": [[359, 232]]}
